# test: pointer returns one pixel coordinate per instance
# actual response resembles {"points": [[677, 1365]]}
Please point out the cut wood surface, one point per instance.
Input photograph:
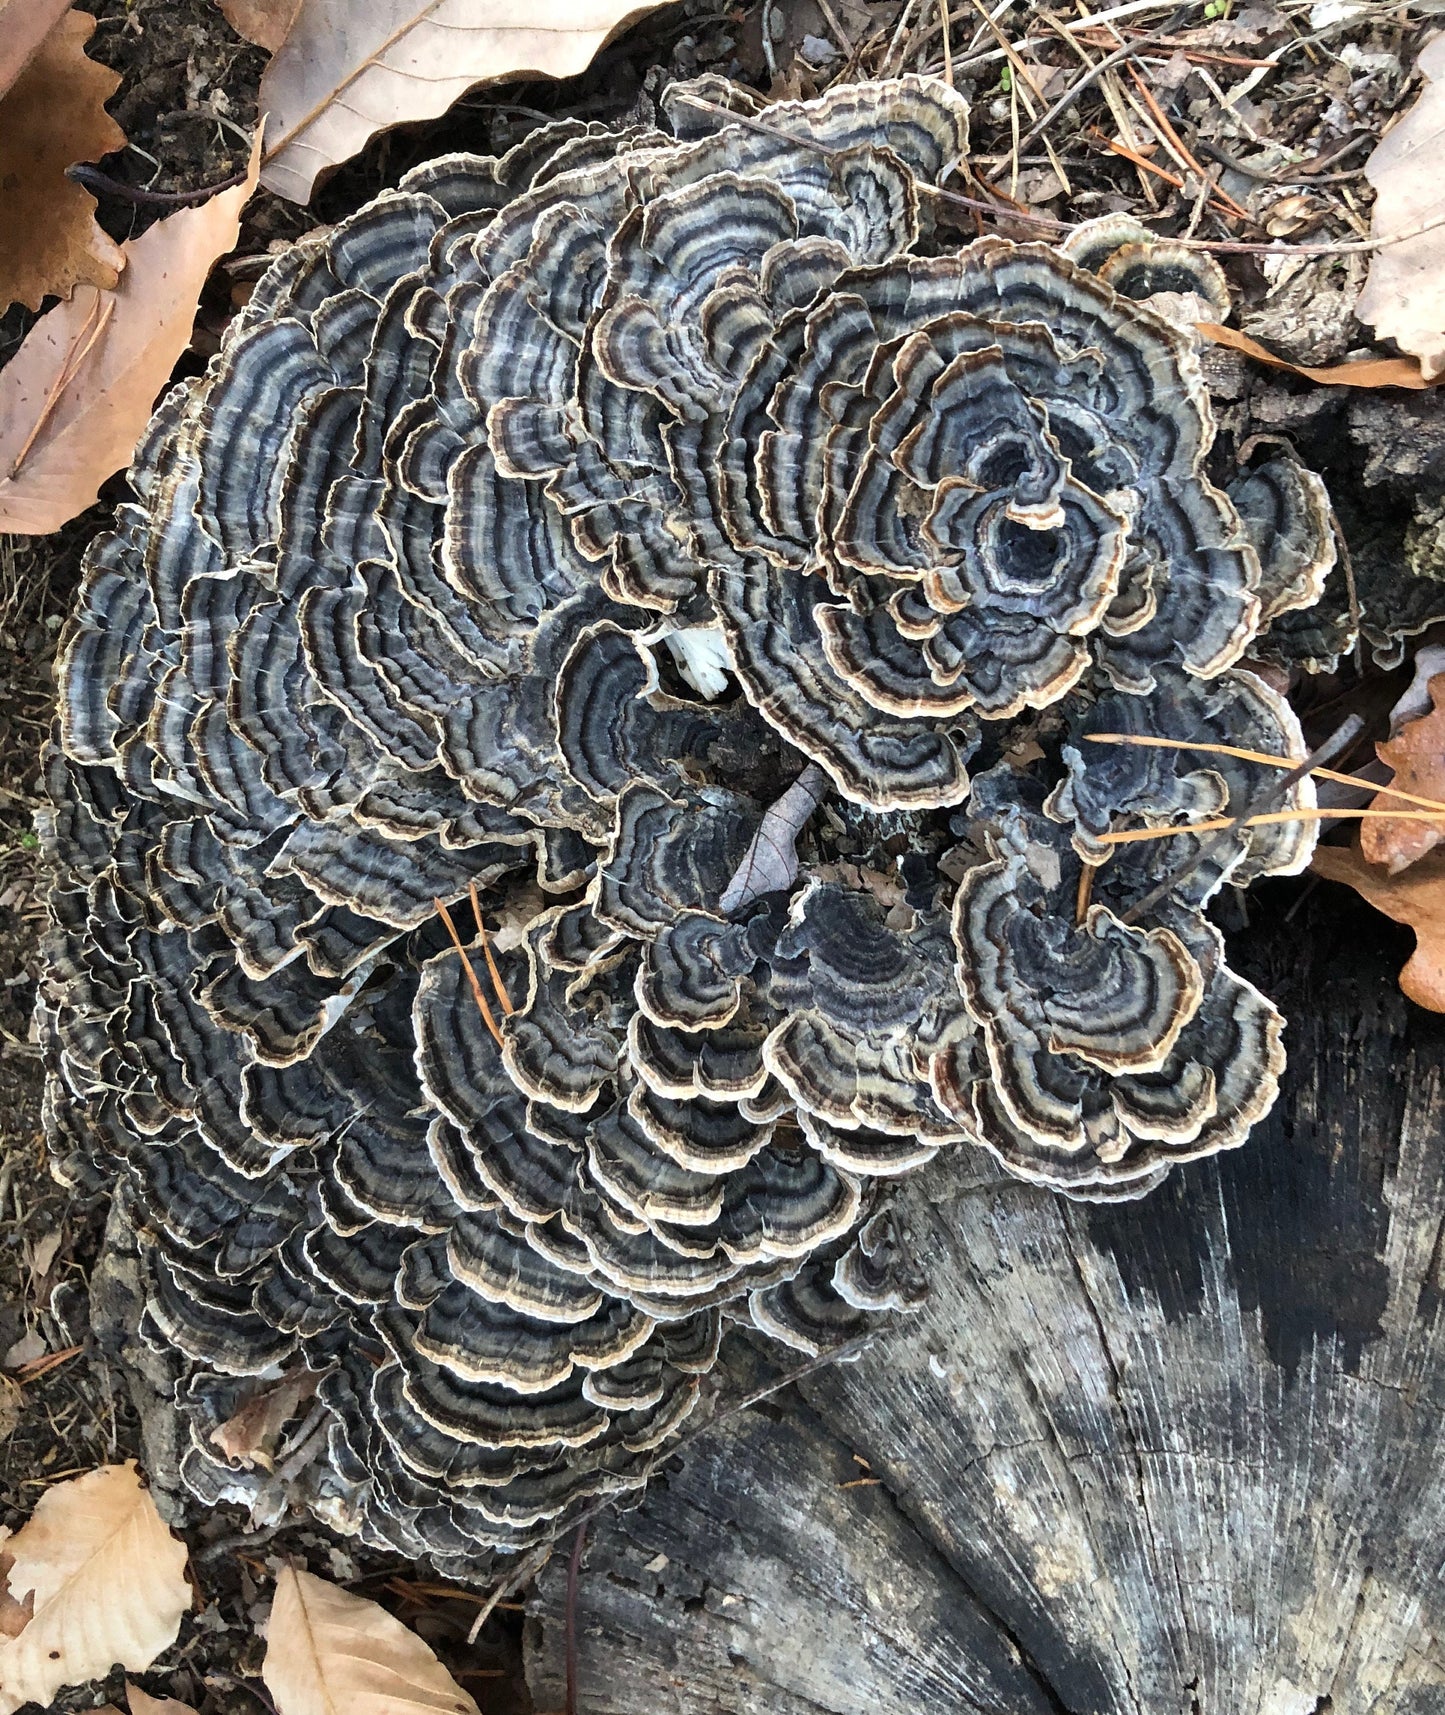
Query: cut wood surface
{"points": [[1181, 1454]]}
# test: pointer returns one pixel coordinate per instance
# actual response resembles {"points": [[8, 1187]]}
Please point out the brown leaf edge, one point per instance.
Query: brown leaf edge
{"points": [[1415, 897], [1367, 372]]}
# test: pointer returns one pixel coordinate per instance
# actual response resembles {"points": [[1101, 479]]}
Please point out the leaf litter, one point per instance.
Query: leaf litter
{"points": [[51, 117], [76, 397]]}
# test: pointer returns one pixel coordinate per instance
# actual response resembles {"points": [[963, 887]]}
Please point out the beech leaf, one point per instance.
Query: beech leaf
{"points": [[1417, 755], [331, 1653], [1416, 897], [76, 397], [24, 25], [108, 1581], [52, 116], [1404, 294], [263, 22], [346, 71]]}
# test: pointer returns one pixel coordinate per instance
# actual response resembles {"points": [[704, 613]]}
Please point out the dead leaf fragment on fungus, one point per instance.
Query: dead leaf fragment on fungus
{"points": [[1404, 295], [346, 71], [1416, 897], [331, 1653], [52, 116], [1417, 755], [76, 397], [108, 1583]]}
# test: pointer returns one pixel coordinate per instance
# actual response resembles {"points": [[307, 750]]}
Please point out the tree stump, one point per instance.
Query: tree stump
{"points": [[1181, 1454]]}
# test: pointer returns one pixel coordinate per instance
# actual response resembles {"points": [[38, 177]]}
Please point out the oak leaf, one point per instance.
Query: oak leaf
{"points": [[1415, 897], [261, 22], [24, 25], [76, 397], [346, 71], [52, 116], [108, 1583], [331, 1653], [1404, 294], [1417, 755]]}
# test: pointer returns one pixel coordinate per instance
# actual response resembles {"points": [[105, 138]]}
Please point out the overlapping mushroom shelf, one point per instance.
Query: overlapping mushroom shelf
{"points": [[676, 539]]}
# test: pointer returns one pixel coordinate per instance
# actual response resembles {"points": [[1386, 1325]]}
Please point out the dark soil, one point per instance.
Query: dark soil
{"points": [[187, 102]]}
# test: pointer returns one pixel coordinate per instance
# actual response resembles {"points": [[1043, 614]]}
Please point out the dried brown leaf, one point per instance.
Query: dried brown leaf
{"points": [[1416, 897], [108, 1581], [76, 397], [1417, 755], [251, 1435], [331, 1653], [14, 1616], [1404, 295], [1367, 372], [347, 71], [142, 1703], [24, 25], [264, 22], [52, 116]]}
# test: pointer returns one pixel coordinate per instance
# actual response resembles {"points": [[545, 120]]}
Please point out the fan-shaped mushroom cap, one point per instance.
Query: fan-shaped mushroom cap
{"points": [[519, 890]]}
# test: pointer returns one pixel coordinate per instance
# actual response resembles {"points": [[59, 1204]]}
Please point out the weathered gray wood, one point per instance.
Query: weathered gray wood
{"points": [[1179, 1455]]}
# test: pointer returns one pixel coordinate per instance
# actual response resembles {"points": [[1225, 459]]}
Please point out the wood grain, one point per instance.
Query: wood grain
{"points": [[1181, 1454]]}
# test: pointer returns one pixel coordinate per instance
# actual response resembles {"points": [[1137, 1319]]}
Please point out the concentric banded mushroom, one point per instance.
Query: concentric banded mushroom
{"points": [[614, 557]]}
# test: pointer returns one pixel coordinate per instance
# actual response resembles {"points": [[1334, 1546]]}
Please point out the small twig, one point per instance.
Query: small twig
{"points": [[105, 304], [1078, 88], [1340, 740], [103, 185]]}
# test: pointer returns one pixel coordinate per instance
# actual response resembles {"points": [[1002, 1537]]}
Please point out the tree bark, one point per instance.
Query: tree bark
{"points": [[1181, 1455]]}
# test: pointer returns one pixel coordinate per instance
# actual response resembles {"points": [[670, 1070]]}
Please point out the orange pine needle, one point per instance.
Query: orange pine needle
{"points": [[1086, 889], [496, 975], [1129, 835], [477, 994], [1434, 805]]}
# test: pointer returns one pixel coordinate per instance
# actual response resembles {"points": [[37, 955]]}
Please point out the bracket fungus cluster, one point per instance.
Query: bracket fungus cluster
{"points": [[573, 773]]}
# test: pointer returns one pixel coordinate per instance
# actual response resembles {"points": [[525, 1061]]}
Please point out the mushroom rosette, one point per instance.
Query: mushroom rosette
{"points": [[541, 828]]}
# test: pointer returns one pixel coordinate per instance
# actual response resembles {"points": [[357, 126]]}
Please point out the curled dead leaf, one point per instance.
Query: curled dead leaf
{"points": [[347, 71], [1416, 898], [1404, 294], [329, 1652], [1366, 372], [1417, 755], [52, 116], [76, 397], [107, 1580]]}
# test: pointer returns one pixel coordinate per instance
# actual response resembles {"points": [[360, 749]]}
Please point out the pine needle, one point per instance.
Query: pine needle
{"points": [[477, 994], [496, 975], [1266, 760]]}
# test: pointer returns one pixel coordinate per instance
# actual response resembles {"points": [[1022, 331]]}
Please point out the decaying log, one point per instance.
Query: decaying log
{"points": [[1181, 1454]]}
